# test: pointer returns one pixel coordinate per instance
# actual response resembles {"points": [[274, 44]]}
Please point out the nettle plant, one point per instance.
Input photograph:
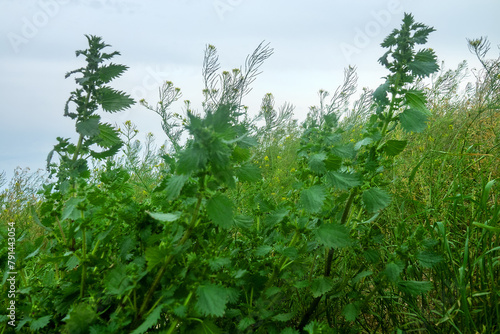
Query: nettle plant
{"points": [[201, 255]]}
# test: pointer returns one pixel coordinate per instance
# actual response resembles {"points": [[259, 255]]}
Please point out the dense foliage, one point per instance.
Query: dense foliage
{"points": [[385, 220]]}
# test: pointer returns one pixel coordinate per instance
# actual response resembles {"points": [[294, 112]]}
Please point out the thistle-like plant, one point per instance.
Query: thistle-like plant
{"points": [[93, 93]]}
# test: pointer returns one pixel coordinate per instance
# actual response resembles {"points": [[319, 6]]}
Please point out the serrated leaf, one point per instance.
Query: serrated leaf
{"points": [[317, 164], [206, 327], [151, 320], [363, 142], [413, 120], [333, 235], [361, 275], [212, 300], [192, 159], [345, 151], [220, 210], [40, 323], [70, 211], [244, 222], [392, 272], [245, 323], [380, 94], [429, 259], [248, 173], [283, 317], [414, 287], [376, 199], [342, 180], [111, 71], [424, 63], [321, 285], [117, 281], [351, 312], [165, 217], [174, 186], [113, 100], [106, 153], [218, 263], [289, 330], [333, 163], [394, 147], [108, 136], [275, 217], [89, 127], [312, 199], [262, 250], [417, 100], [80, 319], [155, 255]]}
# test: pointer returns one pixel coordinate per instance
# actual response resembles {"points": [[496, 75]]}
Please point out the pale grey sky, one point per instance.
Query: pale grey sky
{"points": [[313, 42]]}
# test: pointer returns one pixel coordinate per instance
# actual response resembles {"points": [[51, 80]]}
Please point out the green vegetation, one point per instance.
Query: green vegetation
{"points": [[383, 221]]}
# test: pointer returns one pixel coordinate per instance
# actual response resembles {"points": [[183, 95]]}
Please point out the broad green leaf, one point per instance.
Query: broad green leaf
{"points": [[317, 164], [245, 323], [244, 222], [111, 71], [212, 300], [414, 287], [174, 186], [351, 312], [117, 281], [151, 320], [112, 100], [380, 94], [363, 142], [375, 199], [206, 327], [80, 318], [413, 120], [321, 285], [192, 159], [289, 330], [40, 323], [220, 210], [283, 317], [70, 209], [165, 217], [248, 173], [429, 259], [108, 136], [361, 275], [88, 127], [262, 250], [394, 147], [333, 235], [342, 180], [424, 63], [218, 263], [312, 199], [275, 217], [345, 151], [106, 153], [155, 255], [416, 100], [333, 163], [392, 272]]}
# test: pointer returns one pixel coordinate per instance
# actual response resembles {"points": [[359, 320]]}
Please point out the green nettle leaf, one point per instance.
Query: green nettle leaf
{"points": [[283, 317], [417, 100], [109, 72], [376, 199], [289, 330], [333, 163], [220, 210], [345, 151], [108, 136], [429, 259], [174, 186], [312, 199], [155, 255], [165, 217], [248, 173], [89, 127], [342, 180], [244, 222], [218, 263], [150, 321], [321, 285], [392, 272], [275, 217], [333, 235], [317, 164], [70, 211], [351, 312], [191, 159], [40, 323], [363, 142], [394, 147], [380, 94], [262, 250], [212, 300], [80, 319], [414, 287], [424, 63], [112, 100], [361, 275], [413, 120], [117, 281]]}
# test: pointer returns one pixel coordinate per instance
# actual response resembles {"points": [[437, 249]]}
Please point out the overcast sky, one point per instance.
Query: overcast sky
{"points": [[313, 42]]}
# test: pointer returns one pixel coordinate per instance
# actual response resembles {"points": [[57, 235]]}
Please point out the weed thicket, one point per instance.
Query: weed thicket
{"points": [[383, 221]]}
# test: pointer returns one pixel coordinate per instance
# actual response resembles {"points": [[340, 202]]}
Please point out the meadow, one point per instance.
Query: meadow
{"points": [[378, 215]]}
